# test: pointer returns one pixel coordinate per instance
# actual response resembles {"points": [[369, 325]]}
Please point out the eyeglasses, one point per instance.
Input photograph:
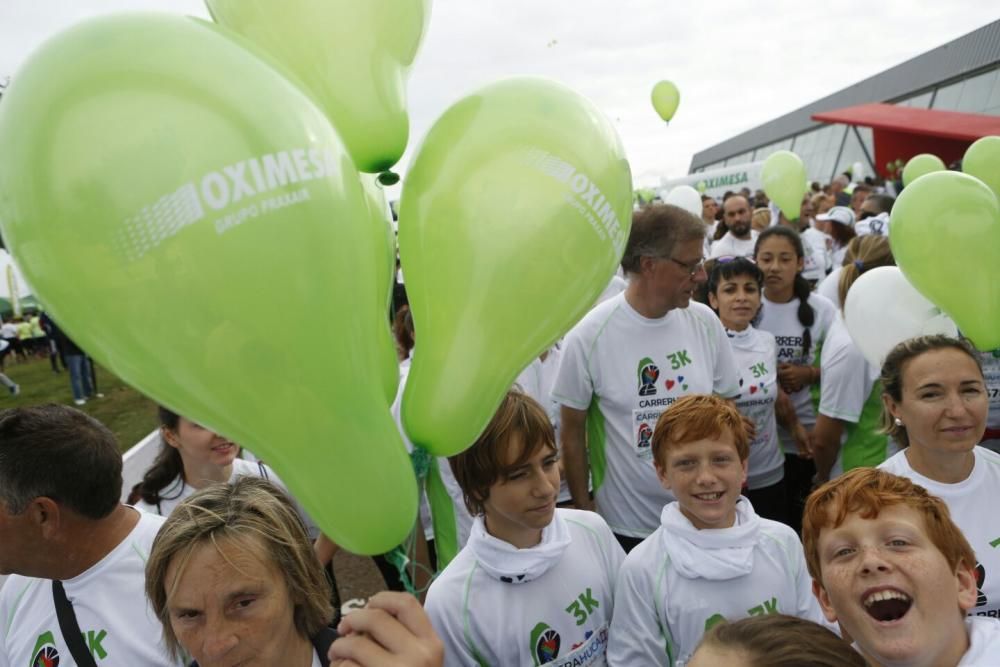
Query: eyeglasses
{"points": [[692, 269]]}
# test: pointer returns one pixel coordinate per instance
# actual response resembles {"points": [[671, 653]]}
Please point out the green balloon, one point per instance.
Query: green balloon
{"points": [[514, 215], [380, 221], [982, 160], [944, 236], [195, 223], [918, 165], [785, 182], [666, 99], [353, 56]]}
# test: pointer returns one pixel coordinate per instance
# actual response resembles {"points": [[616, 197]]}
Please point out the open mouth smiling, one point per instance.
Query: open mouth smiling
{"points": [[887, 605]]}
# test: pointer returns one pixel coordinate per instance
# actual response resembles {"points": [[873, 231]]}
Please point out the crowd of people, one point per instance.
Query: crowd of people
{"points": [[704, 471]]}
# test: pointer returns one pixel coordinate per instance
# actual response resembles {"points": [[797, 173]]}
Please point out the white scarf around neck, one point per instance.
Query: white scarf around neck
{"points": [[715, 554], [505, 562]]}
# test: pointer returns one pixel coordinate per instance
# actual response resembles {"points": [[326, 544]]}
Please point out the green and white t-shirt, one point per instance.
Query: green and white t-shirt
{"points": [[756, 357], [680, 581], [851, 392], [625, 369], [971, 503], [782, 320], [109, 601], [558, 618]]}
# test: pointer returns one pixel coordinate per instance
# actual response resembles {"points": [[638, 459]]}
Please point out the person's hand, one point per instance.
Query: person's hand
{"points": [[391, 631], [802, 443], [793, 377]]}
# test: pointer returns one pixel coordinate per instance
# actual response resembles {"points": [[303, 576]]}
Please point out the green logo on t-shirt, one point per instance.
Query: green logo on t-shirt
{"points": [[679, 359], [544, 642]]}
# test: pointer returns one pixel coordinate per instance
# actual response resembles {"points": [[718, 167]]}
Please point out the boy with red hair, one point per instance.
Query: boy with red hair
{"points": [[712, 559], [894, 570]]}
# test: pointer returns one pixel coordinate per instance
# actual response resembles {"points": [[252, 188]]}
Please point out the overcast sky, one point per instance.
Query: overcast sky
{"points": [[737, 64]]}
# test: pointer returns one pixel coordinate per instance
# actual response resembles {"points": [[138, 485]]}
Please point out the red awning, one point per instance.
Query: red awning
{"points": [[899, 133], [927, 122]]}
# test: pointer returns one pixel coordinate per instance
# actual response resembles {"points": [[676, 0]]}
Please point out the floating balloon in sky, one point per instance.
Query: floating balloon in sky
{"points": [[194, 222], [666, 98], [514, 215], [353, 56]]}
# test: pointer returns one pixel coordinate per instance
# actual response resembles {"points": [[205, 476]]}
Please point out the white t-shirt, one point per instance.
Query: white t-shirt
{"points": [[559, 618], [756, 356], [536, 381], [818, 258], [664, 603], [109, 601], [991, 372], [729, 245], [851, 392], [782, 320], [984, 643], [625, 369], [838, 255], [972, 505], [830, 286]]}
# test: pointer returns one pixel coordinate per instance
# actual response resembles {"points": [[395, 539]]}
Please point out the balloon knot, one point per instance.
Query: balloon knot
{"points": [[387, 178]]}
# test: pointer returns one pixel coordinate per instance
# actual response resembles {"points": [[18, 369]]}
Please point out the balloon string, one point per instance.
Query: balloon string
{"points": [[403, 557]]}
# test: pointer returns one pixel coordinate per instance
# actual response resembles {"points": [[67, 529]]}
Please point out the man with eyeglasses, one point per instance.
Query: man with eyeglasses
{"points": [[630, 358], [741, 237]]}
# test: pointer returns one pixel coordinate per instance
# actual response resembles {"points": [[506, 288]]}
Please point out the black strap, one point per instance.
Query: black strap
{"points": [[69, 628], [262, 470]]}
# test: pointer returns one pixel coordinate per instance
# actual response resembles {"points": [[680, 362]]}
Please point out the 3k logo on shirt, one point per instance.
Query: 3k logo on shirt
{"points": [[648, 372]]}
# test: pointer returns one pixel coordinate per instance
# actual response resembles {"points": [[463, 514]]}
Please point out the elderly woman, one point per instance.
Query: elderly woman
{"points": [[232, 576], [233, 579]]}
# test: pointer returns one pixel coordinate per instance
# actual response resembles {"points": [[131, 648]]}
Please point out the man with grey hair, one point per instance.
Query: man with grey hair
{"points": [[77, 555], [628, 359]]}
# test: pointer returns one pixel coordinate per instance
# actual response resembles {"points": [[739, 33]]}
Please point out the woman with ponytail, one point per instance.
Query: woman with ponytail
{"points": [[799, 321], [847, 433]]}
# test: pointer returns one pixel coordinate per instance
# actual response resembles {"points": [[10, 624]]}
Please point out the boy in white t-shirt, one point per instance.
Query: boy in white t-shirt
{"points": [[894, 570], [712, 559], [534, 584]]}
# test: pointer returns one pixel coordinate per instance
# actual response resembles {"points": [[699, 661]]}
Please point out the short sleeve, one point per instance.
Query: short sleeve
{"points": [[574, 386], [842, 387]]}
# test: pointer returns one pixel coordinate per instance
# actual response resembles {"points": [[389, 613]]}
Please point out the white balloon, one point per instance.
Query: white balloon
{"points": [[686, 198], [884, 309]]}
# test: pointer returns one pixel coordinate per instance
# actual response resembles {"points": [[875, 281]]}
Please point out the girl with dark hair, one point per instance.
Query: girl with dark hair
{"points": [[734, 293], [191, 458], [799, 320]]}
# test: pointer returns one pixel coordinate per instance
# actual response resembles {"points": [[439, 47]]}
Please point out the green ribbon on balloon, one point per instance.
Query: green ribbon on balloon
{"points": [[193, 221], [919, 165], [785, 181], [514, 215], [353, 56], [982, 160], [665, 98], [945, 237]]}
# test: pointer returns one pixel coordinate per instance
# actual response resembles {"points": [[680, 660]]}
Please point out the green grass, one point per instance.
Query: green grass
{"points": [[129, 414]]}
